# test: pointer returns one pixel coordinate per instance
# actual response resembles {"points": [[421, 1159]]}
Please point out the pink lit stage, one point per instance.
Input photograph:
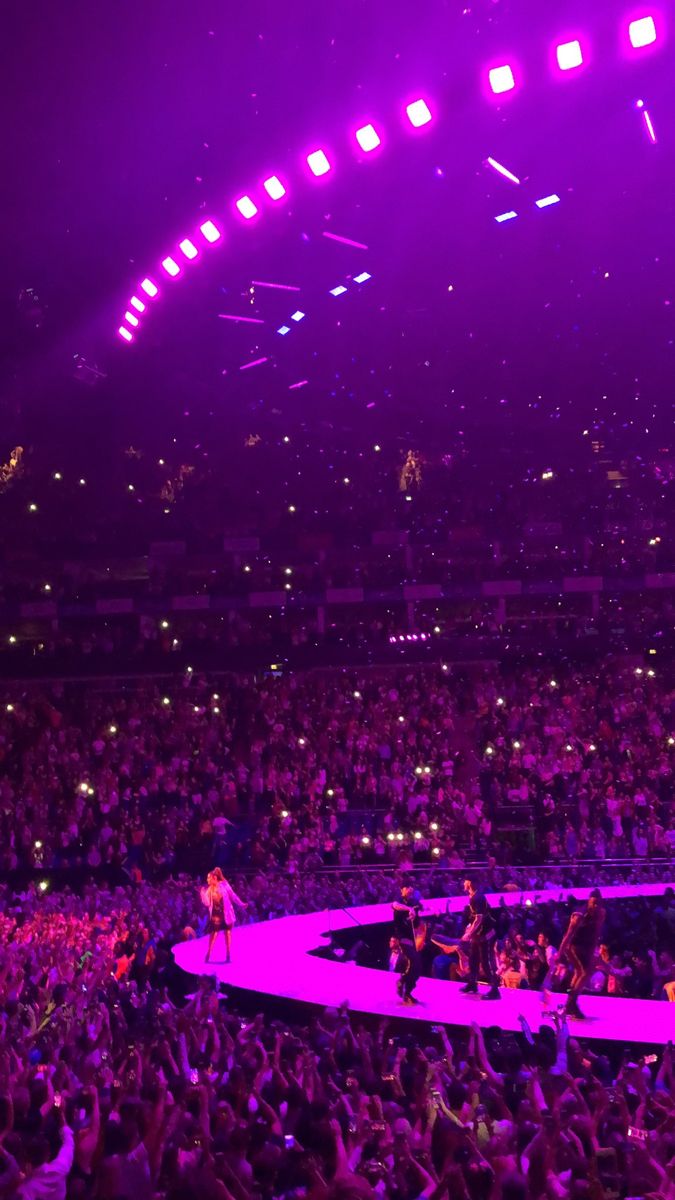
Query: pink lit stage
{"points": [[274, 958]]}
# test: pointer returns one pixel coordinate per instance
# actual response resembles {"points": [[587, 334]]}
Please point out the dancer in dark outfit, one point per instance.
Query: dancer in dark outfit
{"points": [[480, 941]]}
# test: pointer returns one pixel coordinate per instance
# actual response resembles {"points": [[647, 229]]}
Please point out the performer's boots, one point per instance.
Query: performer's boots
{"points": [[470, 989], [493, 994]]}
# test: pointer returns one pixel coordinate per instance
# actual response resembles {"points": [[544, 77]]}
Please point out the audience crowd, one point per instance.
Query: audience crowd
{"points": [[116, 1084], [337, 769]]}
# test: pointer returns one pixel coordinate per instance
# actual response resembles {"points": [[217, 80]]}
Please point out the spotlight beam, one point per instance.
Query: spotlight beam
{"points": [[502, 170], [334, 237]]}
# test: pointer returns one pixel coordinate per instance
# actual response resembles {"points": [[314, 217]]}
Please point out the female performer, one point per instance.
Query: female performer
{"points": [[220, 899]]}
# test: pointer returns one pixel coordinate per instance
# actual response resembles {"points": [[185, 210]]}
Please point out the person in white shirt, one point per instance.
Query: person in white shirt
{"points": [[47, 1178]]}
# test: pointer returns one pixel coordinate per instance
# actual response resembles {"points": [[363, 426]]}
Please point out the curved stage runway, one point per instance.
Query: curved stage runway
{"points": [[275, 958]]}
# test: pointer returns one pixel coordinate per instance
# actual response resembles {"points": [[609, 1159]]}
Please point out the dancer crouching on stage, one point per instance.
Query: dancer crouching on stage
{"points": [[220, 898], [579, 946]]}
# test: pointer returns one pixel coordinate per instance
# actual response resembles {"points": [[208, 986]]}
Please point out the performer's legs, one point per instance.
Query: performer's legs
{"points": [[581, 971], [488, 963], [228, 941], [471, 984], [212, 938]]}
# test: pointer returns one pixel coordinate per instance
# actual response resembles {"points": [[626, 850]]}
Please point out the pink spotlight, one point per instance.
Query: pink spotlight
{"points": [[318, 162], [149, 288], [125, 333], [569, 55], [130, 319], [501, 79], [171, 266], [274, 188], [137, 304], [246, 207], [210, 232], [418, 113], [368, 138], [642, 32], [188, 248]]}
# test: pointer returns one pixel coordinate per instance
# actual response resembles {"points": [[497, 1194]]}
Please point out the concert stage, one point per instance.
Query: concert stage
{"points": [[275, 958]]}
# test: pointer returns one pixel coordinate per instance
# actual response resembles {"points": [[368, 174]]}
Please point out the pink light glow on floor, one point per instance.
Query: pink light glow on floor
{"points": [[130, 319], [188, 248], [137, 304], [149, 288], [274, 188], [418, 113], [246, 207], [501, 79], [318, 162], [125, 333], [210, 232], [322, 981], [368, 138], [334, 237], [171, 266]]}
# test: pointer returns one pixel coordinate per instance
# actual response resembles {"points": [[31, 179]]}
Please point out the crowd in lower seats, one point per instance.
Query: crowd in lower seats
{"points": [[116, 1084], [406, 767]]}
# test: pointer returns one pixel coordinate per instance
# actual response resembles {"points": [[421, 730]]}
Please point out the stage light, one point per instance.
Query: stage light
{"points": [[246, 207], [569, 55], [125, 333], [137, 304], [188, 248], [149, 288], [651, 132], [362, 277], [501, 170], [501, 79], [418, 113], [367, 138], [274, 188], [283, 330], [210, 232], [132, 320], [365, 840], [436, 850], [171, 266], [507, 216], [297, 315], [547, 201], [642, 32], [338, 291], [318, 162]]}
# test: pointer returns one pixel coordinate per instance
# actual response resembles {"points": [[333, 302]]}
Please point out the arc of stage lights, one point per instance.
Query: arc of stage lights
{"points": [[638, 34]]}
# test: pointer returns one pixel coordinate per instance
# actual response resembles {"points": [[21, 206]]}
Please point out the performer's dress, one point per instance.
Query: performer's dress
{"points": [[217, 916]]}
